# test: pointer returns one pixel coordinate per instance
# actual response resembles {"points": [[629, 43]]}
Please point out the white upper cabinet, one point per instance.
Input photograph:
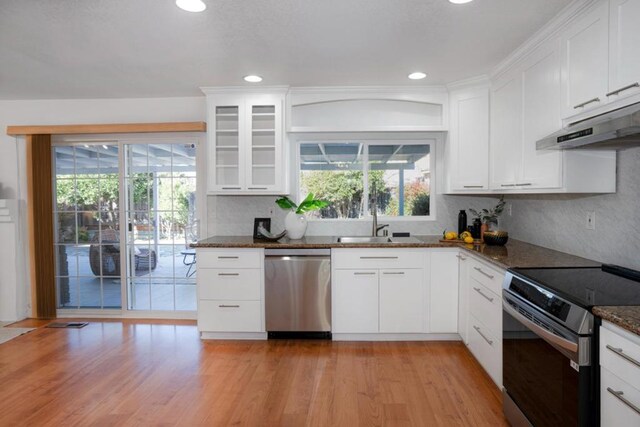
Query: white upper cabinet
{"points": [[541, 89], [585, 68], [468, 151], [506, 132], [624, 48], [245, 141]]}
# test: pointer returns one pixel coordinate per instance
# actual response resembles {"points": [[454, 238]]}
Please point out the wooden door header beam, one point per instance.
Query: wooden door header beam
{"points": [[107, 128]]}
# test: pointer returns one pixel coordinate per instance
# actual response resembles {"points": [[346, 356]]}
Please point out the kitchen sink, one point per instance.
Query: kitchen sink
{"points": [[364, 239]]}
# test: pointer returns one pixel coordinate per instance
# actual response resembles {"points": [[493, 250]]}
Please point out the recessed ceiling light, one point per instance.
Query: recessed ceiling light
{"points": [[252, 79], [191, 5], [460, 1], [418, 75]]}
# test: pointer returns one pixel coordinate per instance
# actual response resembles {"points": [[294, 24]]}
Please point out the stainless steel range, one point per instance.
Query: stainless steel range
{"points": [[550, 341]]}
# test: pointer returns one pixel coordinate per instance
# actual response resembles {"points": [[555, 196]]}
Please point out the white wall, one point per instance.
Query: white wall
{"points": [[54, 112]]}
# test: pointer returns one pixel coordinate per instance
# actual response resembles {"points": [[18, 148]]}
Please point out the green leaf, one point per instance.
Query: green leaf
{"points": [[311, 205], [286, 203]]}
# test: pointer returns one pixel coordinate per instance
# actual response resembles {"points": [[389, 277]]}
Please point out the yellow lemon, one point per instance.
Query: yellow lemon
{"points": [[468, 239]]}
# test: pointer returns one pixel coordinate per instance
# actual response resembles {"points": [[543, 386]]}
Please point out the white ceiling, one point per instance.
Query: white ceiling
{"points": [[150, 48]]}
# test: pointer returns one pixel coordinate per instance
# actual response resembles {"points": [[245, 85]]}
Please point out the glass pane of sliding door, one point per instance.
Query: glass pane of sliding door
{"points": [[86, 218], [160, 182]]}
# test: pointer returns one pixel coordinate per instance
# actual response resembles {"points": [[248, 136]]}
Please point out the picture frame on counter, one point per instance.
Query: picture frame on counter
{"points": [[257, 222]]}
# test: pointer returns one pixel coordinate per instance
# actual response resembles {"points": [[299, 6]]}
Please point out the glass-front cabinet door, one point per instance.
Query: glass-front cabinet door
{"points": [[245, 142], [264, 143]]}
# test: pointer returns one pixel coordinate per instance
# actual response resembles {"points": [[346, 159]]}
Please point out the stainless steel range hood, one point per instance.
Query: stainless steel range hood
{"points": [[615, 130]]}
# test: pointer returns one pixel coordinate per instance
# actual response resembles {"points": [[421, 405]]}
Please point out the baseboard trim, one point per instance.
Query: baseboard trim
{"points": [[233, 335], [396, 337]]}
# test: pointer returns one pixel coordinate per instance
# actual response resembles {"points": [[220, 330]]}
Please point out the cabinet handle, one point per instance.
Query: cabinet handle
{"points": [[228, 257], [460, 257], [586, 103], [620, 353], [619, 394], [622, 89], [473, 186], [524, 184], [507, 185], [483, 335], [229, 306], [364, 273], [478, 290], [257, 188], [378, 257], [228, 274], [479, 270], [393, 272], [231, 188]]}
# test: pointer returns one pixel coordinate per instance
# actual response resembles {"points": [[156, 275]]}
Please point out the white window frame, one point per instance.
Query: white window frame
{"points": [[433, 140]]}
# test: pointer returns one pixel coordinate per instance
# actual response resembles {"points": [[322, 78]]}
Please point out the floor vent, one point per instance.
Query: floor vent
{"points": [[76, 325]]}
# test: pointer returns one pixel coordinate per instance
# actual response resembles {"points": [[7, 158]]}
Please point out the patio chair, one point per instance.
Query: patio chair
{"points": [[188, 253], [108, 263]]}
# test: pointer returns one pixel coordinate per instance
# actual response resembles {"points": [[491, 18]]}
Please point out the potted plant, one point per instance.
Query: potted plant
{"points": [[296, 222], [489, 216]]}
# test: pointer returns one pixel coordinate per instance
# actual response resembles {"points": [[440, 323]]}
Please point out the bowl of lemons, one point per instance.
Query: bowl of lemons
{"points": [[496, 238]]}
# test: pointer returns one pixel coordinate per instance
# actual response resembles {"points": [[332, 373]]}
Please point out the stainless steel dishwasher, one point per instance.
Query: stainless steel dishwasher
{"points": [[298, 292]]}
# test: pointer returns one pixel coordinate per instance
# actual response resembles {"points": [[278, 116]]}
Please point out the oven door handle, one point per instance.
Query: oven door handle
{"points": [[553, 339]]}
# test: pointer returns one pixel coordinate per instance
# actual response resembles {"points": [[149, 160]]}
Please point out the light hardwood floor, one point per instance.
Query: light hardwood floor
{"points": [[160, 373]]}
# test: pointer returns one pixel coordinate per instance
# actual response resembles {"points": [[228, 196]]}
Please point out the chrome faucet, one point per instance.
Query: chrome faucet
{"points": [[374, 213]]}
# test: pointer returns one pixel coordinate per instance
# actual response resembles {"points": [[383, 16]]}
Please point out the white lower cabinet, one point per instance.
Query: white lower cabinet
{"points": [[619, 377], [401, 301], [378, 291], [355, 301], [443, 297], [481, 299], [231, 292]]}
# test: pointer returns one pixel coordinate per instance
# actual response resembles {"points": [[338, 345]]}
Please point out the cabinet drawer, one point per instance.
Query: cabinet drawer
{"points": [[229, 316], [485, 306], [486, 348], [620, 355], [229, 258], [488, 276], [378, 258], [229, 284], [619, 401]]}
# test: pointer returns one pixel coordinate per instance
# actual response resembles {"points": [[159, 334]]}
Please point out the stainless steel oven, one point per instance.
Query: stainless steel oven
{"points": [[549, 366]]}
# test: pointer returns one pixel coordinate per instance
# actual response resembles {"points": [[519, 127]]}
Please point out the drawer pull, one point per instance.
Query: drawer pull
{"points": [[592, 100], [507, 185], [378, 257], [622, 89], [618, 395], [460, 257], [473, 186], [483, 335], [231, 188], [525, 184], [393, 272], [478, 290], [228, 274], [364, 273], [228, 306], [479, 270], [228, 257], [620, 353], [258, 188]]}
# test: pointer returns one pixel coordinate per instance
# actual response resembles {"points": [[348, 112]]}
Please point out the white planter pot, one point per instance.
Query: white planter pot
{"points": [[296, 225]]}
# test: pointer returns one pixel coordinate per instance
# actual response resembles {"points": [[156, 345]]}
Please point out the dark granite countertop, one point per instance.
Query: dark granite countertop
{"points": [[627, 317], [513, 254]]}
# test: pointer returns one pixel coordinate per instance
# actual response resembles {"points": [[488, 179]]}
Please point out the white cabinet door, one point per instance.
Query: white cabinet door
{"points": [[541, 114], [401, 301], [469, 133], [506, 132], [264, 145], [624, 48], [354, 301], [443, 296], [463, 297], [586, 64], [226, 154]]}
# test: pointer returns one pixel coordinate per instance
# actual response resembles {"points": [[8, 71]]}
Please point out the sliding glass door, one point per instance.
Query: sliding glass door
{"points": [[125, 213]]}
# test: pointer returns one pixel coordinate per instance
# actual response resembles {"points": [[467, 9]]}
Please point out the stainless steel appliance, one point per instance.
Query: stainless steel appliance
{"points": [[298, 291], [550, 341], [618, 129]]}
